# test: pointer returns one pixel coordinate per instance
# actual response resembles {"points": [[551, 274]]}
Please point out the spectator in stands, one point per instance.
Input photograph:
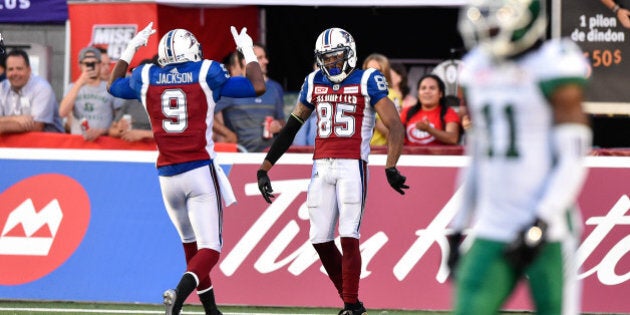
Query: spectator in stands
{"points": [[306, 135], [87, 104], [27, 101], [139, 126], [246, 116], [235, 64], [381, 63], [3, 53], [400, 85], [3, 73], [622, 14], [430, 121], [106, 64]]}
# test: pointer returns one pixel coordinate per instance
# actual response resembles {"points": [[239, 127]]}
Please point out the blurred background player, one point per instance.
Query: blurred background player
{"points": [[346, 100], [193, 186], [527, 144]]}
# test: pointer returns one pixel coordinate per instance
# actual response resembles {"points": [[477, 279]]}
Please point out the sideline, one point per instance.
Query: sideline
{"points": [[92, 311]]}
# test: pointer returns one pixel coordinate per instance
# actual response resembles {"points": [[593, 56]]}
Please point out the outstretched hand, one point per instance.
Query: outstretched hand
{"points": [[242, 40], [141, 39], [244, 44], [396, 180], [264, 185]]}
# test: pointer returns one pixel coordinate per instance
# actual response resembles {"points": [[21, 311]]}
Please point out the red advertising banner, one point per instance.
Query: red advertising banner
{"points": [[267, 259], [116, 23], [402, 239]]}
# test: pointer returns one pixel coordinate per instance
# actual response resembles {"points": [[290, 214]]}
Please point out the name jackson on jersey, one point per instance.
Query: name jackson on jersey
{"points": [[174, 78]]}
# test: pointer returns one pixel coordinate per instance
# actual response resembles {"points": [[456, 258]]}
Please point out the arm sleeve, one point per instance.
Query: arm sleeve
{"points": [[282, 143], [572, 142], [466, 182], [377, 86], [238, 87], [44, 104], [121, 89]]}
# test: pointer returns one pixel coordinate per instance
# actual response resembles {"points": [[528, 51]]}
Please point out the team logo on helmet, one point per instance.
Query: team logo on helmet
{"points": [[335, 54]]}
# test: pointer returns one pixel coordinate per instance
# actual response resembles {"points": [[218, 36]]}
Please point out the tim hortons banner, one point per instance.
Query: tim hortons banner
{"points": [[33, 11], [89, 225]]}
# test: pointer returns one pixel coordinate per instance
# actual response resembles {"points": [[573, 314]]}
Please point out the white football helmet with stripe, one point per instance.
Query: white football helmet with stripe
{"points": [[503, 28], [335, 53], [179, 45]]}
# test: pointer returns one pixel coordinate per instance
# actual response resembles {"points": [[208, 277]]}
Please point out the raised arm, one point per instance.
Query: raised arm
{"points": [[253, 72], [122, 65]]}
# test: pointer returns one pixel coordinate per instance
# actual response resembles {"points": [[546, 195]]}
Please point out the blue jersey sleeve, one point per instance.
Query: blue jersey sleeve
{"points": [[376, 87], [238, 87], [128, 87], [121, 89], [304, 92], [222, 84]]}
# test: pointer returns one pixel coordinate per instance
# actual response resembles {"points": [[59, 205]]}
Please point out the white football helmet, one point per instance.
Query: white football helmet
{"points": [[335, 53], [504, 28], [179, 45]]}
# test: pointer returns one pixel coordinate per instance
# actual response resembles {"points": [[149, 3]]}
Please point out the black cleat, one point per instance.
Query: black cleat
{"points": [[353, 309]]}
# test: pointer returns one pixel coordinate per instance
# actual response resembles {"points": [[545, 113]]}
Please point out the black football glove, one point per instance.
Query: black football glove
{"points": [[527, 245], [454, 240], [264, 185], [396, 180]]}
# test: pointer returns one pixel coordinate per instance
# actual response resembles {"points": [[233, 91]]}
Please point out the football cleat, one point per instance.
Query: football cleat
{"points": [[357, 309], [169, 301]]}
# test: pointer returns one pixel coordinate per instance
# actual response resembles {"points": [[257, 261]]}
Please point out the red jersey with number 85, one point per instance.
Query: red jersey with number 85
{"points": [[345, 112]]}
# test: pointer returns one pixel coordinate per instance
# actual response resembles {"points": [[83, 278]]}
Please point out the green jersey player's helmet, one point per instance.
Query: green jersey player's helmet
{"points": [[503, 28]]}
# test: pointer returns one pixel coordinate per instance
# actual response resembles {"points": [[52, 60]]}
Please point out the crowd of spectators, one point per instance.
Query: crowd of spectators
{"points": [[28, 103]]}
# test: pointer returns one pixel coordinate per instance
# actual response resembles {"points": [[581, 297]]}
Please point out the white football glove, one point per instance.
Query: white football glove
{"points": [[136, 42], [244, 44]]}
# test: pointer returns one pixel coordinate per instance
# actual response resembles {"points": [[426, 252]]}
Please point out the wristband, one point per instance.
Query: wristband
{"points": [[248, 53], [127, 54], [616, 8]]}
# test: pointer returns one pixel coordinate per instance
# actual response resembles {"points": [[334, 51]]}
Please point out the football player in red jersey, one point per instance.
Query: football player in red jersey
{"points": [[180, 95], [345, 100]]}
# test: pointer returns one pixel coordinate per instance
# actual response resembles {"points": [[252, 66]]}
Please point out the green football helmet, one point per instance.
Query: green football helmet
{"points": [[503, 28]]}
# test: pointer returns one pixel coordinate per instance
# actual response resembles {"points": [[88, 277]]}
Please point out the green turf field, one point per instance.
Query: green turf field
{"points": [[71, 308], [81, 308]]}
